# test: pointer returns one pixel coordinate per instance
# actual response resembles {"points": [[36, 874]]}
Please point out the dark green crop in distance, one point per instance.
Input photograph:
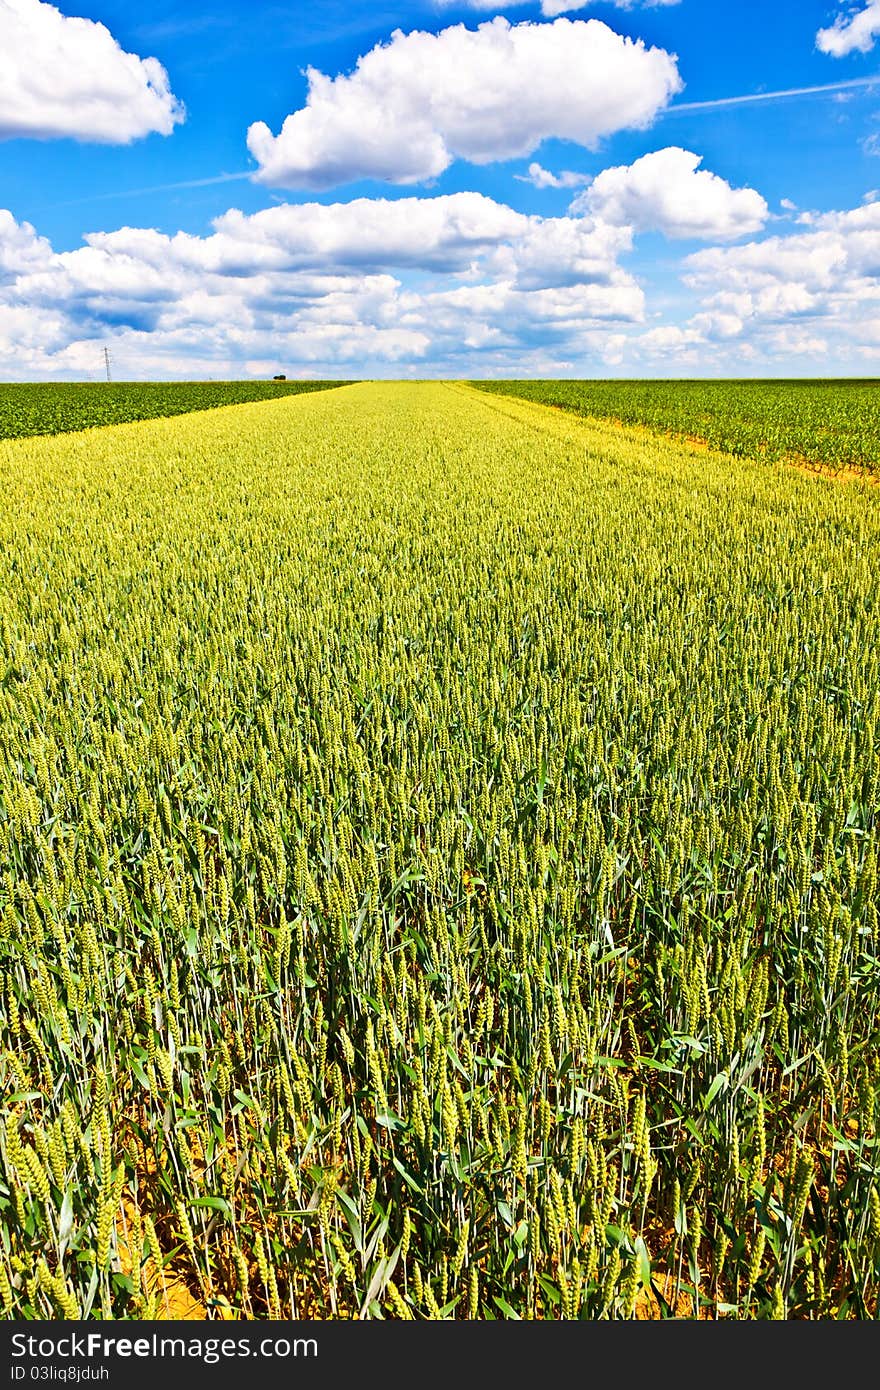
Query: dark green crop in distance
{"points": [[830, 424], [28, 408]]}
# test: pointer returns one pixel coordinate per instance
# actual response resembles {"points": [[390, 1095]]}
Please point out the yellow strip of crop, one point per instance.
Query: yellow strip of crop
{"points": [[692, 444]]}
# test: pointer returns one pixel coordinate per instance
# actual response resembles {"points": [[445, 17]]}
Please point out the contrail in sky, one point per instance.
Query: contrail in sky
{"points": [[719, 102]]}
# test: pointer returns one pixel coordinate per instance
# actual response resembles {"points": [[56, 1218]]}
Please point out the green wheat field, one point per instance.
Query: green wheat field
{"points": [[438, 862]]}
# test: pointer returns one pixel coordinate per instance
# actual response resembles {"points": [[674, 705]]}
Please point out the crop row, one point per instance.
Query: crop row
{"points": [[60, 407], [825, 424]]}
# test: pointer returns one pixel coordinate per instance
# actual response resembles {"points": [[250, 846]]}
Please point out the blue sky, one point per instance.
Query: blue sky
{"points": [[456, 190]]}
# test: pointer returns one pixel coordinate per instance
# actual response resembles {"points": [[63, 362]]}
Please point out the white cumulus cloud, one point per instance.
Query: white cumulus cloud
{"points": [[458, 285], [839, 252], [65, 76], [539, 177], [791, 294], [21, 250], [668, 192], [355, 287], [437, 234], [803, 302], [422, 100], [852, 33]]}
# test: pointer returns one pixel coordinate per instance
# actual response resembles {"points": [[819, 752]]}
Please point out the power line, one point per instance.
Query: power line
{"points": [[107, 362]]}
